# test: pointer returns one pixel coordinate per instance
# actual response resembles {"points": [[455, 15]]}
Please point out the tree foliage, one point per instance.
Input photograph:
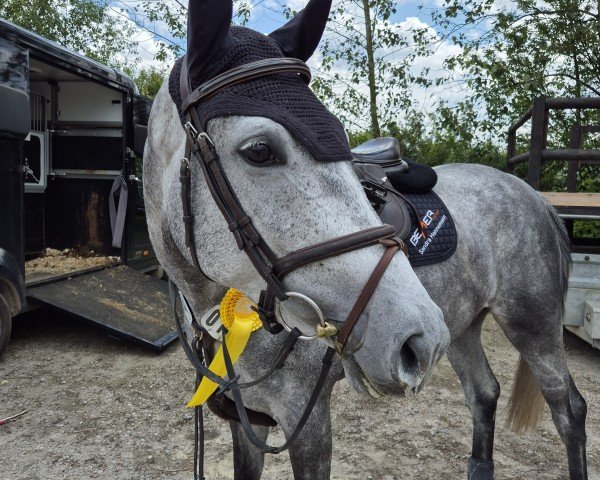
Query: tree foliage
{"points": [[171, 15], [513, 51], [85, 26], [441, 137], [148, 80], [366, 58]]}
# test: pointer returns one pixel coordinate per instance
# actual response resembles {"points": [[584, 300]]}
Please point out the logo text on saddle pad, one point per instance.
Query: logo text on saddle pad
{"points": [[421, 231], [433, 238]]}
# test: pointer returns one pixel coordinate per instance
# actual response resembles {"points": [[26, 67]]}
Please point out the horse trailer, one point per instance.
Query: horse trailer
{"points": [[73, 232], [576, 208]]}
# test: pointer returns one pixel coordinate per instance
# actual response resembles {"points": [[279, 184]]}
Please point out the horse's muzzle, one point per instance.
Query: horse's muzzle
{"points": [[404, 362]]}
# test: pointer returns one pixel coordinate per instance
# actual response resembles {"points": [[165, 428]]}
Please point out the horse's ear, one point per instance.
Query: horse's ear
{"points": [[208, 33], [300, 37]]}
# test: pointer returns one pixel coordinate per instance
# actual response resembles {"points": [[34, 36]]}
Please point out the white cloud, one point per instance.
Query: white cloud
{"points": [[296, 5], [422, 99], [147, 35]]}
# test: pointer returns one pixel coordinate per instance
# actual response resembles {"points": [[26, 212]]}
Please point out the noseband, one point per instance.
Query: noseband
{"points": [[200, 148]]}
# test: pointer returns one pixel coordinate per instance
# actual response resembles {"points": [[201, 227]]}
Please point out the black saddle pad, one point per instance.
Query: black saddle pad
{"points": [[432, 236]]}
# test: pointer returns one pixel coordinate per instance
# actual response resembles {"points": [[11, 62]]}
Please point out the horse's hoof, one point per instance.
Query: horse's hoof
{"points": [[480, 469]]}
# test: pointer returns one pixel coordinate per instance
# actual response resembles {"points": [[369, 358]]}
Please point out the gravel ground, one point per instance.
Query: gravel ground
{"points": [[103, 408]]}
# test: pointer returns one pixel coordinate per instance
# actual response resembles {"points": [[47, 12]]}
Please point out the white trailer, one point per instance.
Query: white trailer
{"points": [[582, 308]]}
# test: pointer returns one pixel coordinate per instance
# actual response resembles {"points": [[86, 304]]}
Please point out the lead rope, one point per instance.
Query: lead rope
{"points": [[327, 362], [198, 425], [198, 438], [231, 384]]}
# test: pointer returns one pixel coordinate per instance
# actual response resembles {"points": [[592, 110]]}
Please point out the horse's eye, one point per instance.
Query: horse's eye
{"points": [[259, 154]]}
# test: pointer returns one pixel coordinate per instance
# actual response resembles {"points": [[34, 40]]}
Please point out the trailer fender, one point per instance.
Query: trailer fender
{"points": [[12, 285]]}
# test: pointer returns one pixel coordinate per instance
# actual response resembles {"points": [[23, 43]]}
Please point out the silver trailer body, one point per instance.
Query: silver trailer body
{"points": [[582, 308]]}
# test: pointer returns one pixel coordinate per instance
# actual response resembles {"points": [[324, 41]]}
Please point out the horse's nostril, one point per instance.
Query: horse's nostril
{"points": [[409, 363]]}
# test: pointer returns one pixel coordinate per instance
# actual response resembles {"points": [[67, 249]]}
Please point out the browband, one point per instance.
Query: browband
{"points": [[244, 73]]}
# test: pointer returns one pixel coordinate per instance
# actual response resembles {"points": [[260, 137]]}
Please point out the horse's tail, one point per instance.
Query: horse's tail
{"points": [[564, 255], [526, 403]]}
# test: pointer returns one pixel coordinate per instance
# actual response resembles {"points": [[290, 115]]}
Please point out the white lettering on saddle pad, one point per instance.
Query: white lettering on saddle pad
{"points": [[421, 231], [433, 234]]}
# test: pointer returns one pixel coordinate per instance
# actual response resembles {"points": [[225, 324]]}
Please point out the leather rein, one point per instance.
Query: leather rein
{"points": [[201, 149]]}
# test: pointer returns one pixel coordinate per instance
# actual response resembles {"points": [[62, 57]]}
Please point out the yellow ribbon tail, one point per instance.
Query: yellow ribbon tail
{"points": [[236, 338]]}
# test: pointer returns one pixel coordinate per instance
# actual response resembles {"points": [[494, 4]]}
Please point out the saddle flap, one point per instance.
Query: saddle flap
{"points": [[389, 206]]}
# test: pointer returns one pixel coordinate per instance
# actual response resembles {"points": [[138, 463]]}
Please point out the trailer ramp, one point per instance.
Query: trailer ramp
{"points": [[121, 300]]}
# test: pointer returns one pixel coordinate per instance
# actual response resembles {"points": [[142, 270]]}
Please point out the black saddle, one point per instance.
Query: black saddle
{"points": [[400, 191], [384, 151], [390, 207], [382, 170], [405, 175]]}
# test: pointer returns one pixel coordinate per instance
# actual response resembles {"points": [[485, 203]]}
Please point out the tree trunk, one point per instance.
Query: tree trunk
{"points": [[375, 130], [577, 86], [577, 72]]}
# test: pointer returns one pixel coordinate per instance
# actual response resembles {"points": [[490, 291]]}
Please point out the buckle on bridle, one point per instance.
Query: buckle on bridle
{"points": [[204, 136], [190, 129]]}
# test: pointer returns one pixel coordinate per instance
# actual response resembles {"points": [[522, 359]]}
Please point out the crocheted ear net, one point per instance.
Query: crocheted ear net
{"points": [[284, 98]]}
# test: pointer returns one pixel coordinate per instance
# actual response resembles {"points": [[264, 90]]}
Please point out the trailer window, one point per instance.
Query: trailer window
{"points": [[37, 112]]}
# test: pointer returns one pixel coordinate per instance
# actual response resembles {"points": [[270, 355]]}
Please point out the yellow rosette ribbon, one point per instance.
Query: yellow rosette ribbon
{"points": [[240, 320]]}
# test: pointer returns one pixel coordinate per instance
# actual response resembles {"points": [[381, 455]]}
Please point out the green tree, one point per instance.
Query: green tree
{"points": [[516, 50], [89, 27], [172, 16], [366, 60], [148, 81], [440, 137]]}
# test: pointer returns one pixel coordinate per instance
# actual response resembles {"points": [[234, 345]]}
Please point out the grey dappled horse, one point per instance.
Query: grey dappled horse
{"points": [[512, 260]]}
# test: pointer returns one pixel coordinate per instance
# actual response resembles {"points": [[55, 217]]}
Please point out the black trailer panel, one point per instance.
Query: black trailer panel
{"points": [[54, 54], [14, 126], [124, 301]]}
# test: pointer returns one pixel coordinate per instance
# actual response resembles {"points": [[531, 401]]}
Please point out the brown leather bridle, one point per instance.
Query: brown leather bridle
{"points": [[272, 269], [199, 147]]}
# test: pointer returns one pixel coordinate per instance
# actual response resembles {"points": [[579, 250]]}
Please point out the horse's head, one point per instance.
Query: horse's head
{"points": [[287, 159]]}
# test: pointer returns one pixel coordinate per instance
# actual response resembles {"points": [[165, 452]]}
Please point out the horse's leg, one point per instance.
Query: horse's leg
{"points": [[310, 453], [248, 461], [481, 395], [537, 335]]}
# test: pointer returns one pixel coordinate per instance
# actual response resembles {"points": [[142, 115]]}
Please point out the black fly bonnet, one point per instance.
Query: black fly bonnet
{"points": [[283, 98]]}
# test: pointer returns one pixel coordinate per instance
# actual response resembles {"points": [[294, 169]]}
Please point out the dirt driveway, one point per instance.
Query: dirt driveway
{"points": [[102, 408]]}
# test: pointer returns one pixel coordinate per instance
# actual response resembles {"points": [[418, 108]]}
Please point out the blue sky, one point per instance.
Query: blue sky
{"points": [[266, 18]]}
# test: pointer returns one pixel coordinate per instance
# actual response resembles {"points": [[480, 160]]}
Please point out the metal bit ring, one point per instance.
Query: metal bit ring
{"points": [[310, 302]]}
